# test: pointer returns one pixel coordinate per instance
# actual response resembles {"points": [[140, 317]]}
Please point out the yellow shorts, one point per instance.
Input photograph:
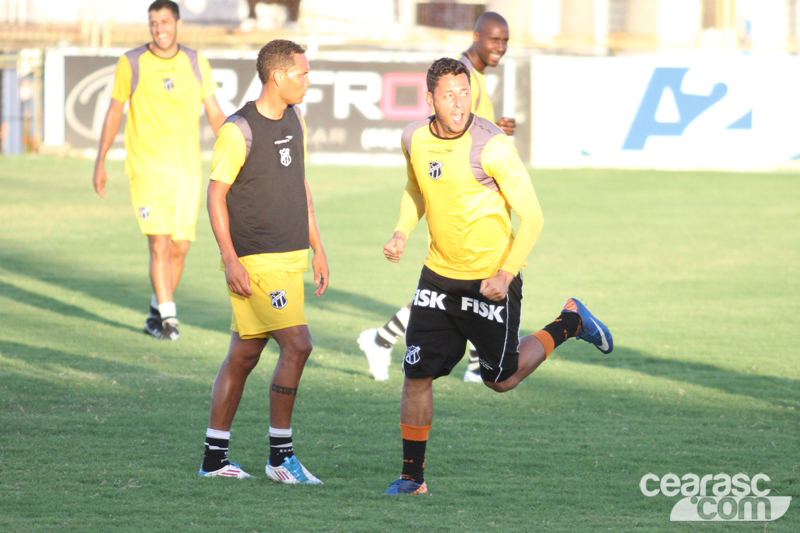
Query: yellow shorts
{"points": [[277, 303], [167, 204]]}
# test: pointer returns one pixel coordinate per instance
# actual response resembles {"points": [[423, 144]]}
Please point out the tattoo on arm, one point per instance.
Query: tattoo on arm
{"points": [[284, 390]]}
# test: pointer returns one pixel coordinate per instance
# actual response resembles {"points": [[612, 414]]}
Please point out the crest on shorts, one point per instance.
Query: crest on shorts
{"points": [[278, 299], [144, 212], [169, 84], [435, 169], [286, 157], [412, 355]]}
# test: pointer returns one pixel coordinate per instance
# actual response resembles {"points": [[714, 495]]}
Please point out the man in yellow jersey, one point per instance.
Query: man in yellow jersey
{"points": [[165, 83], [465, 176], [263, 218], [490, 42]]}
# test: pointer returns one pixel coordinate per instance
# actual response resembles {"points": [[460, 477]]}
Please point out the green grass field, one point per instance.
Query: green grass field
{"points": [[697, 274]]}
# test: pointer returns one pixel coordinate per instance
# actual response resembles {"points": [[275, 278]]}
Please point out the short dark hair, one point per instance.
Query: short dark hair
{"points": [[442, 67], [489, 18], [158, 5], [276, 55]]}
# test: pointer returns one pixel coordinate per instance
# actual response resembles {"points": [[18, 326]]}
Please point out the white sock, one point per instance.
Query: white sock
{"points": [[154, 301], [218, 434], [275, 432], [168, 310]]}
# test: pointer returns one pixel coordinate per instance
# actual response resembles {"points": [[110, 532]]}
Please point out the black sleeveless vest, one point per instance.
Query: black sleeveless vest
{"points": [[267, 204]]}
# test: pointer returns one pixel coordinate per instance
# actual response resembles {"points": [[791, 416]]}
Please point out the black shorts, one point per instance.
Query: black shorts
{"points": [[446, 313]]}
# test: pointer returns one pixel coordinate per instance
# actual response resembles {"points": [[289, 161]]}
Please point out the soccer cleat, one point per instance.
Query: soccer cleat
{"points": [[378, 357], [229, 470], [291, 472], [169, 329], [152, 326], [406, 486], [592, 330], [472, 377]]}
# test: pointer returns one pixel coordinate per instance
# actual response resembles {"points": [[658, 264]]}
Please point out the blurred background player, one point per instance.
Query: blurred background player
{"points": [[464, 172], [263, 218], [165, 83], [489, 44]]}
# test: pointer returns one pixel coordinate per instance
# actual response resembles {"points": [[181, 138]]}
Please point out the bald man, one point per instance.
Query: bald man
{"points": [[489, 45]]}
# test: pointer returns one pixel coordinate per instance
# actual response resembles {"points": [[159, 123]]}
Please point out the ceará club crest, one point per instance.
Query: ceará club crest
{"points": [[435, 170]]}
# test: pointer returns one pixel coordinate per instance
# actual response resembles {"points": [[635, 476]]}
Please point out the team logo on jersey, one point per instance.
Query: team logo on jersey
{"points": [[144, 212], [435, 170], [412, 355], [169, 84], [286, 157], [278, 299]]}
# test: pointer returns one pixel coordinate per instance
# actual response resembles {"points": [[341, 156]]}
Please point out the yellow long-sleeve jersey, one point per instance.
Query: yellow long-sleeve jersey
{"points": [[467, 187]]}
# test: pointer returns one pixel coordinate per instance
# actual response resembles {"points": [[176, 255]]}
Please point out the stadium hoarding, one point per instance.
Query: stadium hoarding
{"points": [[688, 112], [355, 109]]}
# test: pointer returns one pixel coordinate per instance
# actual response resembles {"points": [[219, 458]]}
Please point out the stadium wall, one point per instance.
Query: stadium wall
{"points": [[692, 112], [732, 112], [356, 107]]}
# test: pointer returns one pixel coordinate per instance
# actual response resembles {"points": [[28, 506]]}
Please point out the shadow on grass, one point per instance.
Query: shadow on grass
{"points": [[334, 298], [134, 295], [47, 303], [776, 390], [47, 359]]}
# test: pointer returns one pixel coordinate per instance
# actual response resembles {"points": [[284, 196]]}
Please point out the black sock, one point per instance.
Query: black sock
{"points": [[564, 327], [414, 460], [279, 449], [216, 454]]}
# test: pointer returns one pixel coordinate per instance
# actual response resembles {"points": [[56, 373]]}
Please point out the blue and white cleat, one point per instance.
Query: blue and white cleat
{"points": [[592, 330], [406, 486], [291, 472], [229, 470]]}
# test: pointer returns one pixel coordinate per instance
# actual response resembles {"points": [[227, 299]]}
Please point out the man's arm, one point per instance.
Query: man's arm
{"points": [[508, 125], [110, 129], [412, 207], [236, 275], [214, 112], [515, 186], [320, 261]]}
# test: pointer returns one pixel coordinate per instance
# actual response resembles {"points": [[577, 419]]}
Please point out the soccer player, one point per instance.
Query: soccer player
{"points": [[263, 218], [489, 44], [165, 83], [465, 176]]}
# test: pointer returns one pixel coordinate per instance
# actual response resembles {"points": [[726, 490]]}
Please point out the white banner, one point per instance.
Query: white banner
{"points": [[735, 113]]}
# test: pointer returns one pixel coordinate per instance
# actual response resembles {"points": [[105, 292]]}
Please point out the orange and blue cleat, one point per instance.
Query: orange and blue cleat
{"points": [[592, 330], [406, 486]]}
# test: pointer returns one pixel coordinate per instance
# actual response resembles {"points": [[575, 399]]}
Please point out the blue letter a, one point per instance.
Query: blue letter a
{"points": [[690, 106]]}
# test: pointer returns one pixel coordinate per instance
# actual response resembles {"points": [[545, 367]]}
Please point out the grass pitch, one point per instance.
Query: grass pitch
{"points": [[696, 274]]}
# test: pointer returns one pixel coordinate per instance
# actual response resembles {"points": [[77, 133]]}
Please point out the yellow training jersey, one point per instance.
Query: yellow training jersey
{"points": [[162, 132], [481, 101], [467, 187]]}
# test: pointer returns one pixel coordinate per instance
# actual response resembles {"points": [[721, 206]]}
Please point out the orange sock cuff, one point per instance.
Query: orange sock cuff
{"points": [[417, 433], [547, 341]]}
